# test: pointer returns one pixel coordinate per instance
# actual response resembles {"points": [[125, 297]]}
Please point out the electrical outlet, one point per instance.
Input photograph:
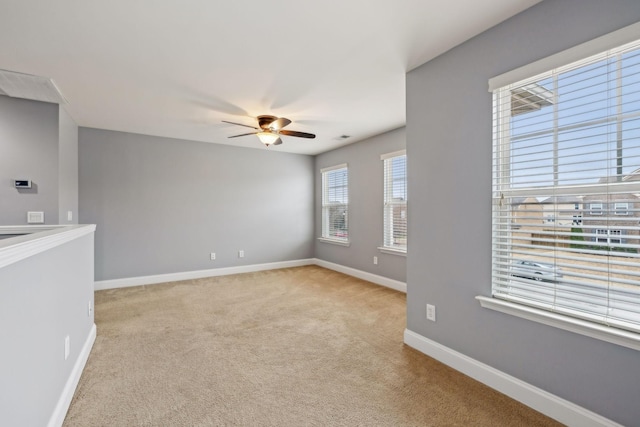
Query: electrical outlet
{"points": [[69, 215], [431, 312], [375, 260], [89, 309], [213, 256], [240, 253], [66, 347]]}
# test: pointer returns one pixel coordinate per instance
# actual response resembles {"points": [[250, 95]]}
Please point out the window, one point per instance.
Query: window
{"points": [[335, 203], [595, 208], [608, 236], [572, 133], [621, 208], [395, 201], [616, 236]]}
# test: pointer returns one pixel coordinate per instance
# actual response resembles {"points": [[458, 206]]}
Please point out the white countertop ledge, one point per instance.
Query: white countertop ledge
{"points": [[34, 239]]}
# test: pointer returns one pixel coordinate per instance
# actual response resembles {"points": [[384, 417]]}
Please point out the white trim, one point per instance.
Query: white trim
{"points": [[394, 154], [60, 411], [197, 274], [27, 229], [335, 241], [336, 167], [578, 326], [549, 404], [568, 56], [187, 275], [370, 277], [393, 251], [16, 249]]}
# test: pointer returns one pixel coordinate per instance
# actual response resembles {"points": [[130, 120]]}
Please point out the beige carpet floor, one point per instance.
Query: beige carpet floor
{"points": [[293, 347]]}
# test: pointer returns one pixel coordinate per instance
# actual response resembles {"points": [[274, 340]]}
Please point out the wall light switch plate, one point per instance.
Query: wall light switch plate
{"points": [[35, 217]]}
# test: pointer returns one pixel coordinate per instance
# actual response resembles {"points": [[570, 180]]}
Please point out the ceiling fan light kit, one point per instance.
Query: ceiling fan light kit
{"points": [[268, 138], [270, 130]]}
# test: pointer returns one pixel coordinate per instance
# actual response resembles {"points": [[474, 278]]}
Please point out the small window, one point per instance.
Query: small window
{"points": [[335, 203], [615, 236], [602, 236], [621, 208], [595, 208]]}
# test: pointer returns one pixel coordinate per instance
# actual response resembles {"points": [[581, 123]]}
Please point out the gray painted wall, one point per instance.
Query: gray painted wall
{"points": [[162, 205], [28, 150], [365, 206], [43, 299], [449, 165], [68, 168]]}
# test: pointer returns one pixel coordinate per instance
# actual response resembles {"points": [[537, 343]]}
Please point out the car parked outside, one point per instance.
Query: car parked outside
{"points": [[536, 270]]}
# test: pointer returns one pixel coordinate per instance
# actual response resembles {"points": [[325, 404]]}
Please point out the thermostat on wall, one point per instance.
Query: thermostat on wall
{"points": [[22, 183]]}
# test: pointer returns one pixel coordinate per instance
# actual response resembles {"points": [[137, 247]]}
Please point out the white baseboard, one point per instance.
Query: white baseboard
{"points": [[60, 411], [370, 277], [197, 274], [551, 405]]}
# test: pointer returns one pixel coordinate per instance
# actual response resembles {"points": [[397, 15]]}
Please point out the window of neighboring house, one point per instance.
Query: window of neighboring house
{"points": [[595, 208], [615, 236], [602, 236], [608, 236], [395, 201], [572, 132], [335, 203], [621, 208]]}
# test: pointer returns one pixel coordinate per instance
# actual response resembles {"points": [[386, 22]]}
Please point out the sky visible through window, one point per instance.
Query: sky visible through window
{"points": [[337, 188], [593, 123], [399, 174]]}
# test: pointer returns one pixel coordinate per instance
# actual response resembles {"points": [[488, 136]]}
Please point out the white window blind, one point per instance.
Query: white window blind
{"points": [[395, 201], [567, 148], [335, 203]]}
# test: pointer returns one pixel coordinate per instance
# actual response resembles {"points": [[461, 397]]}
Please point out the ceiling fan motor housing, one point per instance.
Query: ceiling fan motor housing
{"points": [[265, 121]]}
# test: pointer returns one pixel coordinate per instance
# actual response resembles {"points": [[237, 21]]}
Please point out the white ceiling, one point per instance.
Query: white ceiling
{"points": [[177, 68]]}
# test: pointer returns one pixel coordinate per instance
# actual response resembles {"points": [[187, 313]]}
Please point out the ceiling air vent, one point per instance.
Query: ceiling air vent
{"points": [[27, 86]]}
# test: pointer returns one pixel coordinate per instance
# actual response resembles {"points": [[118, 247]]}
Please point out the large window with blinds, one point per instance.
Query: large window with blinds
{"points": [[566, 190], [335, 203], [395, 201]]}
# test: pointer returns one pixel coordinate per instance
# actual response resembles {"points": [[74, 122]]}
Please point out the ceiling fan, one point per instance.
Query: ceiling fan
{"points": [[270, 129]]}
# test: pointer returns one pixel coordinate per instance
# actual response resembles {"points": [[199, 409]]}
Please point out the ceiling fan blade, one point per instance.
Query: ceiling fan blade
{"points": [[296, 133], [279, 123], [240, 124], [243, 134]]}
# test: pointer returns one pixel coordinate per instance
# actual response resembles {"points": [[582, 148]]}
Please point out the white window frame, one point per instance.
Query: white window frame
{"points": [[585, 327], [326, 205], [389, 245], [618, 237], [609, 236], [596, 208], [621, 208]]}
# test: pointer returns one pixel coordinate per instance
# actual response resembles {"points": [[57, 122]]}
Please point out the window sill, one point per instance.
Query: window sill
{"points": [[335, 241], [392, 251], [583, 327]]}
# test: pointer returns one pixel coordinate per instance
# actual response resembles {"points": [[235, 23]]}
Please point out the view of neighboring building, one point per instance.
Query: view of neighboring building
{"points": [[607, 221]]}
